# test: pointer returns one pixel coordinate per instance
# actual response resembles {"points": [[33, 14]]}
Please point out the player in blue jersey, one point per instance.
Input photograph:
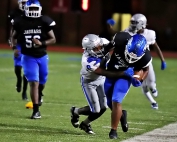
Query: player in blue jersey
{"points": [[34, 32], [128, 51], [17, 52]]}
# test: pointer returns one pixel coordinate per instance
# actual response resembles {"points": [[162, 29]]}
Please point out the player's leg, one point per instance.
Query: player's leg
{"points": [[17, 70], [152, 81], [102, 102], [121, 88], [145, 88], [25, 84], [43, 76], [31, 71]]}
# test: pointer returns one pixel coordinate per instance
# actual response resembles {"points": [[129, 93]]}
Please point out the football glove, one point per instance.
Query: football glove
{"points": [[92, 66], [110, 22], [135, 82], [129, 72], [163, 65]]}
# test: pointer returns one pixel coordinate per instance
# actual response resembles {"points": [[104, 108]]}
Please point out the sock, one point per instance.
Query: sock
{"points": [[18, 75], [76, 111], [87, 121], [149, 96], [35, 108]]}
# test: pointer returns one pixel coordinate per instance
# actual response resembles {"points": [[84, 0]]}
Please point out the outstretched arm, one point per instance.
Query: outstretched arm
{"points": [[159, 52]]}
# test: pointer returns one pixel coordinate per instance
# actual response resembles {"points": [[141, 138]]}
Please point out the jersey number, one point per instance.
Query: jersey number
{"points": [[29, 42]]}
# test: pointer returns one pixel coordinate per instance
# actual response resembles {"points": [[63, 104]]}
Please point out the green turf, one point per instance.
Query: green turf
{"points": [[63, 91]]}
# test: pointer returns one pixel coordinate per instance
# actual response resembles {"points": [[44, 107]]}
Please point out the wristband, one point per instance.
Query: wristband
{"points": [[43, 43]]}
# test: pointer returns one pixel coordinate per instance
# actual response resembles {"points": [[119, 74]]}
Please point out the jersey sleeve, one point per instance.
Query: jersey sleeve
{"points": [[48, 23], [144, 61]]}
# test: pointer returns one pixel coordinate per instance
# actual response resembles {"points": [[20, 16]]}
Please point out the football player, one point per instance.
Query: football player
{"points": [[34, 32], [93, 84], [17, 53], [129, 51], [138, 24]]}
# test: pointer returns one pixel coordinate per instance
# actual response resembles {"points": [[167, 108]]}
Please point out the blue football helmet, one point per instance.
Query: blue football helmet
{"points": [[135, 48], [33, 9]]}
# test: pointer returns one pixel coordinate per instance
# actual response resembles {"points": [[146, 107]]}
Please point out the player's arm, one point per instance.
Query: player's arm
{"points": [[110, 24], [145, 73], [158, 51], [13, 43], [49, 41]]}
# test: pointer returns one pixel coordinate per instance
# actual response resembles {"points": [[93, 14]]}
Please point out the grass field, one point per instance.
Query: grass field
{"points": [[63, 91]]}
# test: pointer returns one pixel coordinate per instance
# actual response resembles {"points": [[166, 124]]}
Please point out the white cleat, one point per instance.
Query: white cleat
{"points": [[154, 106]]}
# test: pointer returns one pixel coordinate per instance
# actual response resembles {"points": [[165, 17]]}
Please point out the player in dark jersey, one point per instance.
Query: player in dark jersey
{"points": [[129, 51], [34, 33], [17, 54]]}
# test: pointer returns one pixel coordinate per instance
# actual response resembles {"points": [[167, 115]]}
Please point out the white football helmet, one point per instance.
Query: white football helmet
{"points": [[138, 22], [93, 44], [21, 4]]}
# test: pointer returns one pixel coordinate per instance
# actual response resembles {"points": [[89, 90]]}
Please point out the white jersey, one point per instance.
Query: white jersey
{"points": [[87, 74], [150, 36]]}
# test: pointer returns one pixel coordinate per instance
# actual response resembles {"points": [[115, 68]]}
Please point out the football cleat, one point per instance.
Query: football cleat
{"points": [[86, 128], [154, 105], [113, 134], [123, 121], [74, 118], [36, 115]]}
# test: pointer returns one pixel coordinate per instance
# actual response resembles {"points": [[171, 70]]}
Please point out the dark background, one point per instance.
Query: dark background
{"points": [[73, 24]]}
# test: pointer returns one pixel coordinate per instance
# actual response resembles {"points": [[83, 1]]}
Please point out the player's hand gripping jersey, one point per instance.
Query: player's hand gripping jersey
{"points": [[122, 57], [32, 28]]}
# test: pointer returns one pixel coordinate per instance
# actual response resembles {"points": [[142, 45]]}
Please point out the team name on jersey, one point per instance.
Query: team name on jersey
{"points": [[32, 31]]}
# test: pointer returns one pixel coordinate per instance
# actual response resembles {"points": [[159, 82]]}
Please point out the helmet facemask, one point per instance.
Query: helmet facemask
{"points": [[33, 11], [135, 48], [93, 44]]}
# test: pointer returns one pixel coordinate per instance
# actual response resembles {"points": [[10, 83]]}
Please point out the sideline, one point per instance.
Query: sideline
{"points": [[74, 49], [167, 133]]}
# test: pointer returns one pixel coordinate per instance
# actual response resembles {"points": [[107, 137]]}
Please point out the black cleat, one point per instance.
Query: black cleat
{"points": [[123, 121], [24, 97], [113, 134], [74, 118], [36, 115], [86, 128]]}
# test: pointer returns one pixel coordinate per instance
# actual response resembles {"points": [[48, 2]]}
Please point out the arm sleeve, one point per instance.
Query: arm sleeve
{"points": [[49, 23]]}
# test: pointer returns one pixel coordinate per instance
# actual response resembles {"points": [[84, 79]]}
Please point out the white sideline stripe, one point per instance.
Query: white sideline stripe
{"points": [[167, 133]]}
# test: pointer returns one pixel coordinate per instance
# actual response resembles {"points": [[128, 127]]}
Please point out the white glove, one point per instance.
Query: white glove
{"points": [[92, 66]]}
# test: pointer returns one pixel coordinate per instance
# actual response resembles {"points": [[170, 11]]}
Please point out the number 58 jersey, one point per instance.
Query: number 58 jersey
{"points": [[32, 28]]}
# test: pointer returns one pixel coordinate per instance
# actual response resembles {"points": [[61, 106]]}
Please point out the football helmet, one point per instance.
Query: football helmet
{"points": [[138, 22], [33, 9], [21, 4], [135, 48], [93, 44]]}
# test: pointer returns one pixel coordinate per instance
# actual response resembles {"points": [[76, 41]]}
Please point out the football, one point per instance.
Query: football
{"points": [[138, 75]]}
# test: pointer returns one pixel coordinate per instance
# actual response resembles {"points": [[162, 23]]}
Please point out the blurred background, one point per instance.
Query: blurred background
{"points": [[76, 18]]}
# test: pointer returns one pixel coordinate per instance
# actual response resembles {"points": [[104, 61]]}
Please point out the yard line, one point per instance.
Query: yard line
{"points": [[167, 133]]}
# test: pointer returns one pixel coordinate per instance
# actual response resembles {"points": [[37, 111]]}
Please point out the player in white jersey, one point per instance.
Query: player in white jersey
{"points": [[138, 24], [92, 84]]}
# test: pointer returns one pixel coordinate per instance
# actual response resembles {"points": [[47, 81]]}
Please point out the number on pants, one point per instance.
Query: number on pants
{"points": [[29, 42]]}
